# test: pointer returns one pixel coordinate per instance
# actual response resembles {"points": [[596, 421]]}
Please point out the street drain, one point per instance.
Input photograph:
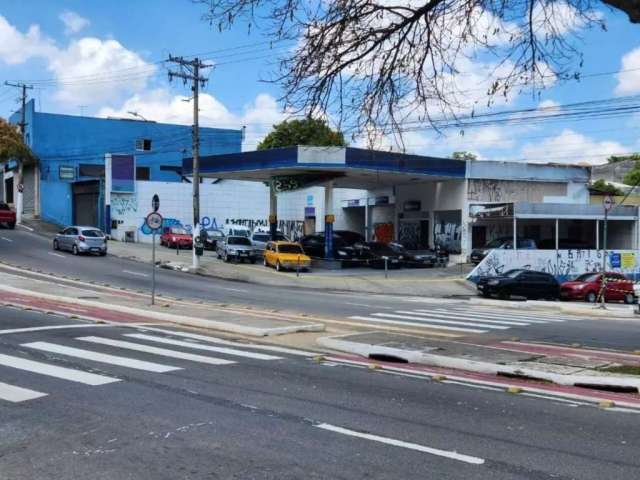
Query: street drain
{"points": [[383, 357], [522, 376], [608, 388]]}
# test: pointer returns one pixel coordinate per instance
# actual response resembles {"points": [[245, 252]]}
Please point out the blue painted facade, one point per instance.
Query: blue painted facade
{"points": [[70, 142]]}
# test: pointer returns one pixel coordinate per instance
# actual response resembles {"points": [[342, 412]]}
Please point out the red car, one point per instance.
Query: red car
{"points": [[176, 237], [587, 286], [7, 216]]}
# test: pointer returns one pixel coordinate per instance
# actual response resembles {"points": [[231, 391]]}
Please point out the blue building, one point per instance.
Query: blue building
{"points": [[66, 184]]}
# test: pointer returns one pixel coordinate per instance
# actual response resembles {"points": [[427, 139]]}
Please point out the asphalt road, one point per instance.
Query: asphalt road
{"points": [[24, 248], [273, 418]]}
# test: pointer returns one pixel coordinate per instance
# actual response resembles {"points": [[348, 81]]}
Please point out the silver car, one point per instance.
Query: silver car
{"points": [[259, 240], [236, 248], [79, 239]]}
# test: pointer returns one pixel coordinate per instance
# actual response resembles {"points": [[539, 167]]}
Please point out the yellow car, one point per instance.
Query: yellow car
{"points": [[286, 255]]}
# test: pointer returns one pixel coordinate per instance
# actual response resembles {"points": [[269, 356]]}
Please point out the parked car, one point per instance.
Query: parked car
{"points": [[259, 239], [236, 248], [176, 237], [343, 241], [421, 258], [521, 283], [7, 216], [235, 230], [587, 287], [286, 255], [78, 239], [478, 254], [211, 238], [377, 254]]}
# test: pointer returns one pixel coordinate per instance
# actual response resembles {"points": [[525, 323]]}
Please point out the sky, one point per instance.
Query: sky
{"points": [[106, 59]]}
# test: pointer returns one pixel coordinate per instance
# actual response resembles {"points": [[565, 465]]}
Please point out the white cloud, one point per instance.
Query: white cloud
{"points": [[629, 77], [17, 47], [571, 147], [73, 22], [161, 106], [548, 105]]}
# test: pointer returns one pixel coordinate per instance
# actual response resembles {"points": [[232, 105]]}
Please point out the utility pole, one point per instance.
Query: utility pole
{"points": [[190, 71], [23, 131]]}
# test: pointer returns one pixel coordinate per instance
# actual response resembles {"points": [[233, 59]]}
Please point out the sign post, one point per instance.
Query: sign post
{"points": [[607, 203], [154, 222]]}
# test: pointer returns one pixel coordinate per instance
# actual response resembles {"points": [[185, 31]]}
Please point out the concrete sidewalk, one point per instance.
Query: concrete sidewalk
{"points": [[561, 365], [612, 310], [431, 282], [115, 305]]}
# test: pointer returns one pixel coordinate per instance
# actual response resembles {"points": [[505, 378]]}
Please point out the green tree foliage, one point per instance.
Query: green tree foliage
{"points": [[309, 131], [602, 187], [616, 159], [633, 176], [11, 144], [464, 156]]}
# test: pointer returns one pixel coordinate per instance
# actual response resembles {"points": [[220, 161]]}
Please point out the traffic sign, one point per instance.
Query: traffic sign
{"points": [[607, 202], [154, 221], [155, 203]]}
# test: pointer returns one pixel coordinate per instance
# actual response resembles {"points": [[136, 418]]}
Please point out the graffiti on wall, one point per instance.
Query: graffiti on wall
{"points": [[409, 234], [447, 230], [518, 191], [122, 205], [563, 264]]}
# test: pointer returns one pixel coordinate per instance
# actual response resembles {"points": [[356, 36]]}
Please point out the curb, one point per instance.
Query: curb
{"points": [[626, 311], [418, 356], [178, 319]]}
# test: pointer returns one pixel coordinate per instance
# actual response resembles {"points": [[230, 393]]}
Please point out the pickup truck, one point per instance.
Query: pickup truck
{"points": [[7, 216]]}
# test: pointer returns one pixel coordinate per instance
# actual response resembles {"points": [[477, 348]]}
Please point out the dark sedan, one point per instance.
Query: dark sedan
{"points": [[343, 250], [377, 254], [421, 258], [520, 283]]}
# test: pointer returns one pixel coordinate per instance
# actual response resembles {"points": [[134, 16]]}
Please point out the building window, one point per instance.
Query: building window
{"points": [[143, 144], [143, 173], [90, 170]]}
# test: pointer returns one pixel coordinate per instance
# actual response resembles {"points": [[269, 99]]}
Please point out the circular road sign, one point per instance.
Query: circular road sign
{"points": [[154, 221], [607, 202], [155, 202]]}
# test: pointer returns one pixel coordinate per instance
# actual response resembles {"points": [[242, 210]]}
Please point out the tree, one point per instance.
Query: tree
{"points": [[602, 187], [633, 176], [616, 159], [386, 64], [464, 156], [11, 144], [302, 132]]}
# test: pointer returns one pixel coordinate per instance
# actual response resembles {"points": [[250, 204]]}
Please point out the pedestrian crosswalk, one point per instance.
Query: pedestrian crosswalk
{"points": [[118, 351], [458, 320]]}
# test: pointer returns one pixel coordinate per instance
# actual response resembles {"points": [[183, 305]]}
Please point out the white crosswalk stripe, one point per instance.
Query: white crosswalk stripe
{"points": [[101, 357], [197, 346], [156, 351], [460, 320], [55, 371], [14, 394]]}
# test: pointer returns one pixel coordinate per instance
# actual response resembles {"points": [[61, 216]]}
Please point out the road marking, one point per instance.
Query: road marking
{"points": [[15, 394], [156, 351], [483, 316], [101, 357], [56, 254], [206, 338], [24, 226], [415, 324], [180, 343], [137, 274], [454, 316], [368, 306], [399, 443], [445, 322], [6, 239], [53, 327], [54, 371], [235, 290], [535, 315]]}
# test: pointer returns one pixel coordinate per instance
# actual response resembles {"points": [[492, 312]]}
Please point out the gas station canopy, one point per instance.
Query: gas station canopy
{"points": [[347, 167]]}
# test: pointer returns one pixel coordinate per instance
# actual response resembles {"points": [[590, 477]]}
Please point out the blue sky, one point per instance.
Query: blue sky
{"points": [[101, 58]]}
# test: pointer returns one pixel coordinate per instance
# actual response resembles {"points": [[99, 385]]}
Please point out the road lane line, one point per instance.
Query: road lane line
{"points": [[455, 316], [206, 338], [53, 327], [137, 274], [101, 357], [156, 351], [399, 443], [24, 226], [56, 254], [444, 322], [416, 324], [53, 371], [235, 290], [197, 346], [545, 317], [11, 393], [483, 316], [6, 239]]}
